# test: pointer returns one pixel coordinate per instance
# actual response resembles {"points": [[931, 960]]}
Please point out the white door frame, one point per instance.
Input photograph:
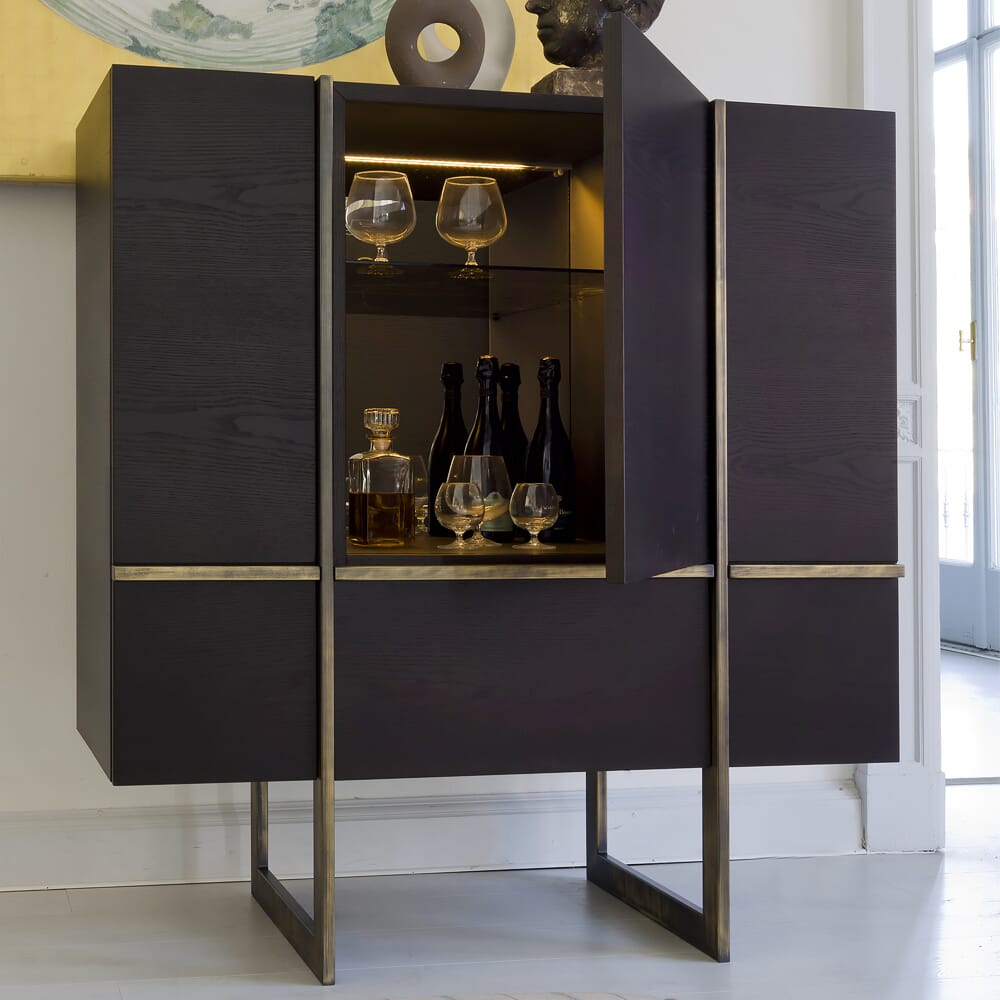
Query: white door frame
{"points": [[903, 803]]}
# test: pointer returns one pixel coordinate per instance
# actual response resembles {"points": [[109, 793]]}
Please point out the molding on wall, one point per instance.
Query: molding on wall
{"points": [[899, 804], [908, 421], [903, 803], [161, 844]]}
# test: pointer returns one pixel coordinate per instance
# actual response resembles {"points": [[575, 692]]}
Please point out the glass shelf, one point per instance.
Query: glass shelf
{"points": [[417, 289]]}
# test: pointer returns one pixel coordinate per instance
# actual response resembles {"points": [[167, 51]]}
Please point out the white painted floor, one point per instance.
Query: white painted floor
{"points": [[970, 715], [889, 927]]}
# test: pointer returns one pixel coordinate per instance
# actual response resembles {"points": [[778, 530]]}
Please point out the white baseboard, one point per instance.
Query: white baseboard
{"points": [[417, 833], [904, 807]]}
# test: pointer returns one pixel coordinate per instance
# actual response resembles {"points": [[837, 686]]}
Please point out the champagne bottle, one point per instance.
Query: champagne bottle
{"points": [[515, 440], [448, 441], [550, 458], [487, 438]]}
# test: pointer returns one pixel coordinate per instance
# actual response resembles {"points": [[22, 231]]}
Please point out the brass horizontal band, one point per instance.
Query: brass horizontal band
{"points": [[148, 574], [816, 571], [520, 571], [705, 572]]}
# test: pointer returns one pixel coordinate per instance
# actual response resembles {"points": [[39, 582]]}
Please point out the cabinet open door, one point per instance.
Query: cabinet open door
{"points": [[658, 266]]}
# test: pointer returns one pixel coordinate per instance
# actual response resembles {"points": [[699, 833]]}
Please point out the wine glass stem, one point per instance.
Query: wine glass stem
{"points": [[470, 260], [380, 257], [534, 539]]}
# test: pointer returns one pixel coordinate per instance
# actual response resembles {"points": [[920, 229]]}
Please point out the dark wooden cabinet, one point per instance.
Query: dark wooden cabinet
{"points": [[719, 281], [213, 261]]}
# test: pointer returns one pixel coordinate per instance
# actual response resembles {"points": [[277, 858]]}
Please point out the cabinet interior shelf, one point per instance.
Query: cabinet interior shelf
{"points": [[424, 551], [442, 289]]}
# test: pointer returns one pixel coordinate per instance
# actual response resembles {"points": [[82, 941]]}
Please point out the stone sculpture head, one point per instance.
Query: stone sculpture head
{"points": [[571, 30]]}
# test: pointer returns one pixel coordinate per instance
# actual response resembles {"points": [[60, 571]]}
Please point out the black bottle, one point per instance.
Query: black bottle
{"points": [[550, 458], [448, 441], [487, 438], [515, 440]]}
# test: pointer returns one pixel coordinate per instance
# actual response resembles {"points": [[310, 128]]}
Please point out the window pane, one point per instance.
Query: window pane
{"points": [[993, 14], [954, 296], [951, 22]]}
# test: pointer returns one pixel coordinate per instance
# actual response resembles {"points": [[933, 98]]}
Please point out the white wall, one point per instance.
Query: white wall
{"points": [[61, 822], [771, 51]]}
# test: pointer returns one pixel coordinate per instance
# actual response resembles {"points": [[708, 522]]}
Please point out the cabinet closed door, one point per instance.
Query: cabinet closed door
{"points": [[811, 332], [212, 681], [211, 245]]}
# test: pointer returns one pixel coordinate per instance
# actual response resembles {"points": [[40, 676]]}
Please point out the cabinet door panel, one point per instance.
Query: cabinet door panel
{"points": [[214, 420], [814, 674], [811, 335], [214, 682], [657, 320], [515, 677]]}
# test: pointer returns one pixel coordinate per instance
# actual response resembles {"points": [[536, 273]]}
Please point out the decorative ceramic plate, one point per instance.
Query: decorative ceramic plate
{"points": [[231, 34]]}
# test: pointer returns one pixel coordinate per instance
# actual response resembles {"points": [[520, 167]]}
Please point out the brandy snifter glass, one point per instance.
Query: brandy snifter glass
{"points": [[470, 214], [459, 507], [534, 507], [490, 473], [380, 209]]}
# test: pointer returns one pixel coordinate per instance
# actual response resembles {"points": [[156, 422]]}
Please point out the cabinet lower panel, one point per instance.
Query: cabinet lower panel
{"points": [[814, 671], [444, 678], [214, 682]]}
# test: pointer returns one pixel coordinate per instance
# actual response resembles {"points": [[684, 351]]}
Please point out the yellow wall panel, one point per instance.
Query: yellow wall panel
{"points": [[50, 69]]}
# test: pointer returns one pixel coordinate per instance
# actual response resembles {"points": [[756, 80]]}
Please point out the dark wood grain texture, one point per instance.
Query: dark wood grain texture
{"points": [[214, 317], [214, 682], [657, 295], [93, 426], [814, 671], [812, 335], [441, 678]]}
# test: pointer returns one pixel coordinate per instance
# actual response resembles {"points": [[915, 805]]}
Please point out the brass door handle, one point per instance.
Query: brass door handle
{"points": [[971, 341]]}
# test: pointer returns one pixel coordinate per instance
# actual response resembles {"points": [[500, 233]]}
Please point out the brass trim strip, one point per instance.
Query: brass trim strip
{"points": [[567, 571], [520, 571], [715, 777], [313, 936], [151, 574], [707, 927], [706, 572], [331, 180], [816, 571]]}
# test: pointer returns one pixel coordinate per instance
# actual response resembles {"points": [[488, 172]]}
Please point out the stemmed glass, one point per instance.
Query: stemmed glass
{"points": [[418, 471], [471, 215], [490, 473], [459, 507], [380, 209], [534, 507]]}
